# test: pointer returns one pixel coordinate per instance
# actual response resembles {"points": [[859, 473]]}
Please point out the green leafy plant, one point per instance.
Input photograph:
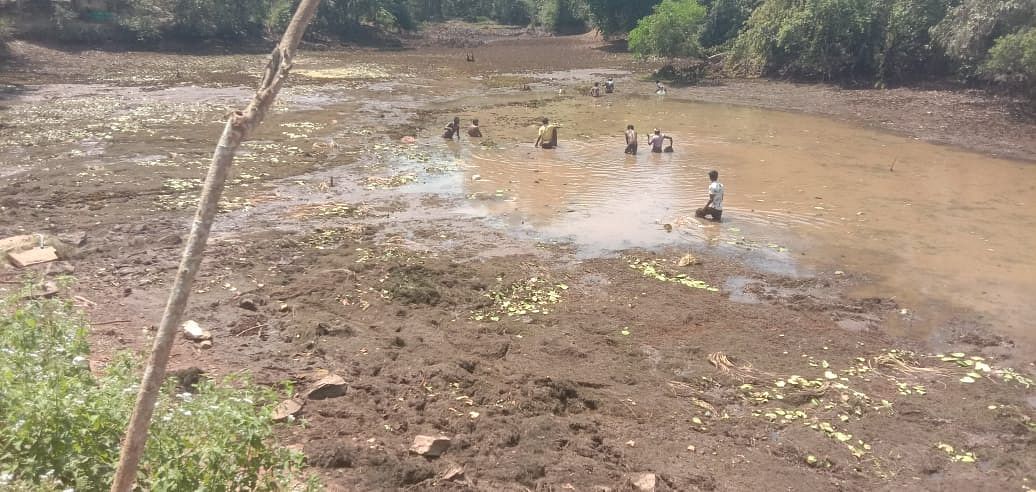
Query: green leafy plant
{"points": [[62, 424], [670, 32], [1012, 61]]}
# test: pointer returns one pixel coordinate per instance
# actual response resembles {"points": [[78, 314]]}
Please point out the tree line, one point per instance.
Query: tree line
{"points": [[859, 41], [877, 42], [147, 21]]}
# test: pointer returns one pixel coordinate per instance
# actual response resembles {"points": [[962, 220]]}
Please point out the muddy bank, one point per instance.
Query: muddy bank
{"points": [[532, 307]]}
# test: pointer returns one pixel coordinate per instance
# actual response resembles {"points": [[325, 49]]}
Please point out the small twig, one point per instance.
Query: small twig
{"points": [[112, 322], [246, 330]]}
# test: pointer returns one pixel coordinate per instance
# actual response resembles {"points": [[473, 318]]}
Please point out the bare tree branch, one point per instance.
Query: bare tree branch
{"points": [[239, 127]]}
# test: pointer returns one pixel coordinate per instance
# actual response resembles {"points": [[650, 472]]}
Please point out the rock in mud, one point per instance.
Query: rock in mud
{"points": [[170, 240], [331, 386], [429, 446], [249, 303], [205, 344], [645, 482], [687, 260], [454, 472], [192, 331], [286, 409]]}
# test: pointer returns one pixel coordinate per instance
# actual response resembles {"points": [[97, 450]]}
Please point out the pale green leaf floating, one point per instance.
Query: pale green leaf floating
{"points": [[966, 458], [958, 354], [967, 379], [842, 437], [625, 332]]}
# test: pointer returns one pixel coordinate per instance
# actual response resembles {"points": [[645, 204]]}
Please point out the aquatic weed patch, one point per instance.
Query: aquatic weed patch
{"points": [[840, 403], [523, 297], [653, 269]]}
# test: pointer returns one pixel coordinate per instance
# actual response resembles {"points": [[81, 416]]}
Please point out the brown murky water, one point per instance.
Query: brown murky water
{"points": [[948, 233]]}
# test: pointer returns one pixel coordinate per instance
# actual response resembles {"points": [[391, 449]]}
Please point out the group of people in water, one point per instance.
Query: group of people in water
{"points": [[547, 138]]}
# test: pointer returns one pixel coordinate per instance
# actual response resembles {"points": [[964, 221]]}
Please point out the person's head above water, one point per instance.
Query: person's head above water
{"points": [[597, 84], [657, 131], [456, 119], [474, 122], [629, 127], [713, 175], [545, 121]]}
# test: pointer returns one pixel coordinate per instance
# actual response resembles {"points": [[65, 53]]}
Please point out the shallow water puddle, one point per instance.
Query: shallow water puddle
{"points": [[934, 225]]}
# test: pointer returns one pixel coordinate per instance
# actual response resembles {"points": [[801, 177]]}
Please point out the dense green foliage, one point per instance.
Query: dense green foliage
{"points": [[618, 16], [825, 39], [725, 20], [878, 40], [861, 41], [1012, 61], [191, 20], [670, 31], [62, 425]]}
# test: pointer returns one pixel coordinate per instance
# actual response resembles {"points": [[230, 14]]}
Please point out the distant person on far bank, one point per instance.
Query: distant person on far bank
{"points": [[452, 129], [659, 88], [548, 136], [631, 140], [609, 86], [474, 131], [714, 208]]}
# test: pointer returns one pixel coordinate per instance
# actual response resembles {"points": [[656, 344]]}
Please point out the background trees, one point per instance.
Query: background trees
{"points": [[858, 41]]}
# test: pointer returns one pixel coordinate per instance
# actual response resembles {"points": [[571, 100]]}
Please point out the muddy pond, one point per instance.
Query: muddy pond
{"points": [[945, 232]]}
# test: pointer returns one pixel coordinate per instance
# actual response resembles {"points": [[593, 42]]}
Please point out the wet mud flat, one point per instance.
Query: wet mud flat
{"points": [[460, 305]]}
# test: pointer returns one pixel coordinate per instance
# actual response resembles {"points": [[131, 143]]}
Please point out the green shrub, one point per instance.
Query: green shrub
{"points": [[1012, 61], [725, 20], [970, 28], [671, 31], [62, 425], [817, 39], [229, 19], [563, 16], [906, 50], [614, 17]]}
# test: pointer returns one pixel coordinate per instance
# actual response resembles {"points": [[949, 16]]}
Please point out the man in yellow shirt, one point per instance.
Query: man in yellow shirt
{"points": [[548, 136]]}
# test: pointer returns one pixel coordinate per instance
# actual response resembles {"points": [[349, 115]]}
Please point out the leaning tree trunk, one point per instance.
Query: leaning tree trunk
{"points": [[239, 126]]}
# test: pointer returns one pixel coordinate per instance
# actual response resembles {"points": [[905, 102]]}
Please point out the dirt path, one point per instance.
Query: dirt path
{"points": [[547, 369]]}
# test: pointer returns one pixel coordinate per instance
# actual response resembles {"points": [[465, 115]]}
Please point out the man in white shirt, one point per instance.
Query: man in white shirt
{"points": [[714, 208]]}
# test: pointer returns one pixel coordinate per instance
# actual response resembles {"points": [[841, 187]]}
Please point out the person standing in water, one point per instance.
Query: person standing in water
{"points": [[548, 136], [452, 129], [609, 86], [659, 88], [631, 140], [656, 141], [714, 208], [473, 130], [595, 91]]}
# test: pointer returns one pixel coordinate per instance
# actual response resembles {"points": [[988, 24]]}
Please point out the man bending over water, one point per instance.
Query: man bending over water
{"points": [[656, 141], [452, 129], [548, 136], [714, 208]]}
